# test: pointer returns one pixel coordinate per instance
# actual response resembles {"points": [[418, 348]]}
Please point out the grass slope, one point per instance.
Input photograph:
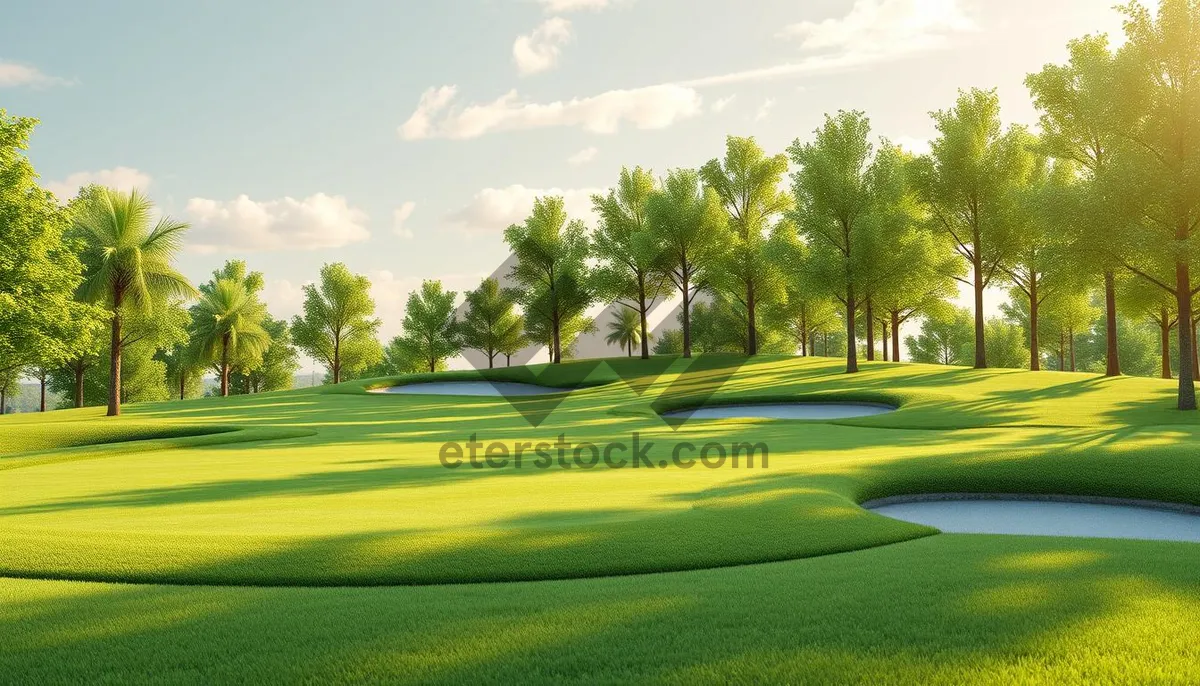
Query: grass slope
{"points": [[335, 487]]}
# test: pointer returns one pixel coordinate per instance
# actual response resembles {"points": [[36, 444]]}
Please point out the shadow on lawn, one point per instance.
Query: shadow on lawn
{"points": [[946, 609]]}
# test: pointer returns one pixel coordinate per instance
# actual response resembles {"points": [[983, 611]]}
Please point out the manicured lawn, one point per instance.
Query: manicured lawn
{"points": [[336, 487]]}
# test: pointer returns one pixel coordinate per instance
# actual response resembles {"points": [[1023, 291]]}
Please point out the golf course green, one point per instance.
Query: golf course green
{"points": [[325, 533]]}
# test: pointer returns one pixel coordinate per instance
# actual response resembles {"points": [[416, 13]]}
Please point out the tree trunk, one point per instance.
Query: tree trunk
{"points": [[1062, 352], [1035, 360], [895, 336], [114, 368], [1071, 345], [642, 311], [3, 401], [1113, 363], [1183, 296], [433, 365], [1164, 329], [870, 332], [1195, 356], [883, 338], [225, 366], [79, 383], [752, 348], [851, 337], [43, 389], [182, 384], [507, 360], [980, 352], [337, 359], [687, 319], [556, 342]]}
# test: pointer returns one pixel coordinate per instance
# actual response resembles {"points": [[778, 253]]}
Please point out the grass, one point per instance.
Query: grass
{"points": [[217, 509]]}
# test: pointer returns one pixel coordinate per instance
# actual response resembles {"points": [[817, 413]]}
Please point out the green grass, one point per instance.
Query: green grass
{"points": [[337, 487]]}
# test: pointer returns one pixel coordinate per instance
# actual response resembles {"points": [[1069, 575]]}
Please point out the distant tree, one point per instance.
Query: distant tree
{"points": [[627, 249], [184, 369], [968, 184], [512, 339], [10, 387], [1080, 104], [625, 330], [431, 333], [490, 322], [747, 183], [128, 260], [945, 338], [338, 327], [670, 342], [398, 359], [277, 366], [689, 228], [1070, 317], [227, 324], [1006, 345], [551, 250]]}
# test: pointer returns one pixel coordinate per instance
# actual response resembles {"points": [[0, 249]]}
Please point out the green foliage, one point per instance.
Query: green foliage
{"points": [[276, 371], [490, 325], [40, 321], [1006, 345], [945, 338], [338, 328], [551, 251], [749, 270], [690, 229], [627, 248], [625, 330], [431, 333], [227, 323], [670, 342]]}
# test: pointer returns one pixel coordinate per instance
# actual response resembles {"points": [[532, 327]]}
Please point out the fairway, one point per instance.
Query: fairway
{"points": [[178, 526]]}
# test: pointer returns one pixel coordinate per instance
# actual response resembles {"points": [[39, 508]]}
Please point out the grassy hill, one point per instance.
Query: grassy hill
{"points": [[316, 533]]}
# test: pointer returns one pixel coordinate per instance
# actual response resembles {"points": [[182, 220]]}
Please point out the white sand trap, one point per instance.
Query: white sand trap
{"points": [[490, 388], [1034, 517], [784, 411]]}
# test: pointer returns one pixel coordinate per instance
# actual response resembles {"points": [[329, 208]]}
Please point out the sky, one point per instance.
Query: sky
{"points": [[402, 136]]}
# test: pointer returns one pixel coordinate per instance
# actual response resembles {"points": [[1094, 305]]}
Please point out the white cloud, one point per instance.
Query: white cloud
{"points": [[17, 74], [764, 110], [317, 222], [723, 104], [540, 50], [583, 156], [284, 299], [653, 107], [390, 294], [399, 216], [492, 210], [890, 27], [121, 178]]}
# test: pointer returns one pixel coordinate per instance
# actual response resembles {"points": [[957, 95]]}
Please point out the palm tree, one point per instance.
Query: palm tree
{"points": [[625, 330], [228, 320], [127, 262]]}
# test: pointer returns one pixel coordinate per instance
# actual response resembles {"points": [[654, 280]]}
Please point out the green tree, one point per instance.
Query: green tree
{"points": [[689, 227], [431, 333], [128, 260], [338, 327], [184, 369], [968, 184], [40, 321], [670, 342], [551, 251], [1006, 345], [625, 330], [227, 325], [10, 387], [512, 339], [945, 338], [1069, 317], [490, 321], [276, 368], [1160, 88], [747, 184], [1080, 104], [627, 249]]}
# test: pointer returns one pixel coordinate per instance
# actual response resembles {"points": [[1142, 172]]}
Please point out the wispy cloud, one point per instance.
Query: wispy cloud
{"points": [[539, 50], [17, 74], [764, 110], [400, 217], [314, 223], [495, 209], [583, 156], [120, 178]]}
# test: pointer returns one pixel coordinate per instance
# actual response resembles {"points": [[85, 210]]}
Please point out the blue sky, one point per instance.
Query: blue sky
{"points": [[296, 133]]}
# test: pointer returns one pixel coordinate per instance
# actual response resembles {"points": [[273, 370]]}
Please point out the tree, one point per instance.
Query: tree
{"points": [[277, 366], [689, 228], [40, 321], [627, 249], [337, 327], [490, 322], [945, 338], [1159, 82], [512, 339], [128, 264], [184, 368], [10, 387], [625, 330], [920, 289], [1069, 317], [967, 184], [431, 333], [1040, 264], [1080, 123], [670, 342], [747, 183], [227, 324], [551, 250], [1006, 345]]}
